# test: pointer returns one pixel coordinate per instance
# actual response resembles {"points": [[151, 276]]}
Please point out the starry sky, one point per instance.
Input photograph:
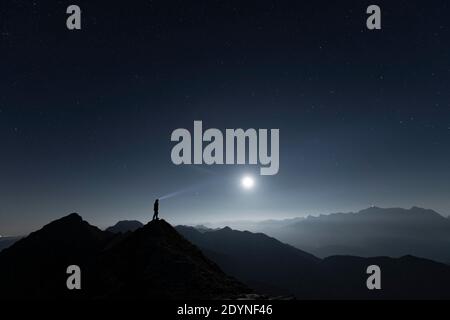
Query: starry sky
{"points": [[86, 116]]}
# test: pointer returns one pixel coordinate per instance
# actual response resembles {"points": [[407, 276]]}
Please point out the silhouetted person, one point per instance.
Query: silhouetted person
{"points": [[155, 209]]}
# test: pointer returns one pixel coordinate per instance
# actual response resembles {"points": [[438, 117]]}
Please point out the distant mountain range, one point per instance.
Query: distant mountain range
{"points": [[273, 267], [393, 232], [153, 262], [374, 231], [262, 262], [157, 261]]}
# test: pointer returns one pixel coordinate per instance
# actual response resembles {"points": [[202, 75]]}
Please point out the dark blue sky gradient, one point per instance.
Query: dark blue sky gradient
{"points": [[86, 116]]}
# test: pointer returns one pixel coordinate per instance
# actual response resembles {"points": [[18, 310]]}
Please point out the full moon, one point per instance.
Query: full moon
{"points": [[247, 182]]}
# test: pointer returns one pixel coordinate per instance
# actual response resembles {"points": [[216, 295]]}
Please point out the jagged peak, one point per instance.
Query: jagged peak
{"points": [[71, 219], [73, 216]]}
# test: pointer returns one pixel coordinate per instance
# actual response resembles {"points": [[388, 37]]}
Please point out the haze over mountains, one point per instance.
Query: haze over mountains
{"points": [[273, 267], [262, 262], [157, 261], [374, 231], [371, 232]]}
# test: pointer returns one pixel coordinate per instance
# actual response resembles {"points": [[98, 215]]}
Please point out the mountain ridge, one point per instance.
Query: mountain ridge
{"points": [[154, 262], [287, 272], [369, 232]]}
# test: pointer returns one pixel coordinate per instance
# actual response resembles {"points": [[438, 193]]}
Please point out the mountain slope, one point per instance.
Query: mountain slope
{"points": [[152, 262], [407, 277], [261, 261], [35, 266], [157, 262], [276, 268], [6, 242], [371, 232]]}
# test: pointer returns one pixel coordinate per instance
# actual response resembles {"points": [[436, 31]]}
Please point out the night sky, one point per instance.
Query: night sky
{"points": [[86, 116]]}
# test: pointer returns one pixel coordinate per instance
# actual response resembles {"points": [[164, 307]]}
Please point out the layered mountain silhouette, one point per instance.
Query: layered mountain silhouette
{"points": [[374, 231], [273, 267], [262, 262], [157, 261], [153, 262]]}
